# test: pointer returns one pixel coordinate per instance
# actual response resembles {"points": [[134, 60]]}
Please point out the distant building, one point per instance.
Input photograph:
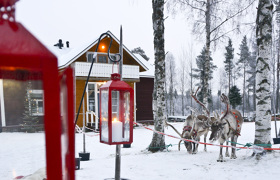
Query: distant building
{"points": [[137, 72]]}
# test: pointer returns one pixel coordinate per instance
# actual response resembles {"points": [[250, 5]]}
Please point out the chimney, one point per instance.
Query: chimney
{"points": [[67, 44], [59, 44]]}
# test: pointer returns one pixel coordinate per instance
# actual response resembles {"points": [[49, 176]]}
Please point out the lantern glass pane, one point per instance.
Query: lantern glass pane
{"points": [[21, 111], [126, 116], [117, 124], [104, 116]]}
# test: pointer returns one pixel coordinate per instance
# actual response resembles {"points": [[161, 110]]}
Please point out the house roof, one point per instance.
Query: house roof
{"points": [[66, 56], [150, 73]]}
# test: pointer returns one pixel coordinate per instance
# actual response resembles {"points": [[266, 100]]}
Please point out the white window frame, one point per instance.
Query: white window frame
{"points": [[95, 55], [36, 91]]}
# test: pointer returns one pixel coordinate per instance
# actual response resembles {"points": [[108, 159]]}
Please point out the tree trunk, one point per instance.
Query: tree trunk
{"points": [[158, 140], [263, 95], [277, 78], [244, 77], [229, 79], [207, 59]]}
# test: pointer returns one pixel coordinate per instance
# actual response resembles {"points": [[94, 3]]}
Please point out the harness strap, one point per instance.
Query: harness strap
{"points": [[189, 128]]}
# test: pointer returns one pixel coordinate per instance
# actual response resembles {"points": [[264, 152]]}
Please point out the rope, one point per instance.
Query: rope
{"points": [[166, 146], [79, 130], [254, 147]]}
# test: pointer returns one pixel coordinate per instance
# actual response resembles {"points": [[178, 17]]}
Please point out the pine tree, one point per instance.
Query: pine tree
{"points": [[242, 63], [229, 55], [29, 122], [199, 73], [234, 97], [141, 52], [252, 75]]}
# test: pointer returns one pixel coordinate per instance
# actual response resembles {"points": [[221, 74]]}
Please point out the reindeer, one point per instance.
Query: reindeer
{"points": [[228, 126], [195, 126]]}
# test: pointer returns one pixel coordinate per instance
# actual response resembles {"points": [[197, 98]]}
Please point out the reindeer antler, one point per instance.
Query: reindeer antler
{"points": [[225, 100], [200, 103]]}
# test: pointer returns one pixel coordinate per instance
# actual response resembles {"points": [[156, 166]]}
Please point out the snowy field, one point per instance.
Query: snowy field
{"points": [[137, 163]]}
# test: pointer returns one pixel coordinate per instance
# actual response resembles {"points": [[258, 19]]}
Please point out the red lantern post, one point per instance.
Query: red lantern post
{"points": [[24, 58], [116, 112]]}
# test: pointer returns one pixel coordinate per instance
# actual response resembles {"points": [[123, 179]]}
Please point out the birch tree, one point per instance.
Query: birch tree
{"points": [[170, 80], [159, 112], [263, 95], [183, 78], [278, 54], [209, 18]]}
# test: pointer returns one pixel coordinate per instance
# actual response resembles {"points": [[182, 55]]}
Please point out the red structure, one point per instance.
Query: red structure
{"points": [[24, 58], [116, 112]]}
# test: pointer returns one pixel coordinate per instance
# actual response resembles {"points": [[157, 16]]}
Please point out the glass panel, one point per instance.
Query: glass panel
{"points": [[117, 124], [91, 97], [35, 99], [102, 58], [21, 153], [115, 105], [90, 57], [104, 116], [126, 116], [112, 57]]}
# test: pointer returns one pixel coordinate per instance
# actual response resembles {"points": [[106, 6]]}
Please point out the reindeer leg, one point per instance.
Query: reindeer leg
{"points": [[233, 150], [196, 145], [221, 158], [179, 145], [227, 153], [205, 135]]}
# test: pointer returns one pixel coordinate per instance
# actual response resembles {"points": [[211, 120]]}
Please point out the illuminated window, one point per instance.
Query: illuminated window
{"points": [[36, 103]]}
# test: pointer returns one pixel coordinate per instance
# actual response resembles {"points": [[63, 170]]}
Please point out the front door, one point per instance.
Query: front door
{"points": [[93, 100]]}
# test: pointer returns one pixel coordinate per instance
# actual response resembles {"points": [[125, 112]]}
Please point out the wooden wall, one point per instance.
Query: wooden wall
{"points": [[144, 99], [14, 96]]}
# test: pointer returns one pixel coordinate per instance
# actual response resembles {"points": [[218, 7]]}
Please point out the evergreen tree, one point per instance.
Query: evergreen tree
{"points": [[242, 63], [229, 55], [29, 122], [251, 81], [199, 73], [141, 52], [235, 97]]}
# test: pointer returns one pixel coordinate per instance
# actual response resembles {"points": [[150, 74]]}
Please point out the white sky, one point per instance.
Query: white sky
{"points": [[78, 21]]}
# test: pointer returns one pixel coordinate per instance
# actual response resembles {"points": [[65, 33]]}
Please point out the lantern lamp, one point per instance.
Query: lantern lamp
{"points": [[24, 58], [116, 112]]}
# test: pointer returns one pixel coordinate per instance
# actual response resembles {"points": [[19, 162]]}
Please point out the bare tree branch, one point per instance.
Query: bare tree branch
{"points": [[232, 16], [222, 35]]}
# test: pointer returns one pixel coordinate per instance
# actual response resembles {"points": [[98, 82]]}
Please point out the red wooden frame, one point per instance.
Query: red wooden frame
{"points": [[116, 84], [67, 89], [23, 57]]}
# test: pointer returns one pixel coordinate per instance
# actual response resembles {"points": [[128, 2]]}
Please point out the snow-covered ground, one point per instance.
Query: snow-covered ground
{"points": [[137, 163]]}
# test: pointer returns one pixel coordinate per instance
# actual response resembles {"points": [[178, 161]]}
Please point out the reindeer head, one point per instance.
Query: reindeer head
{"points": [[218, 125], [217, 130], [188, 145]]}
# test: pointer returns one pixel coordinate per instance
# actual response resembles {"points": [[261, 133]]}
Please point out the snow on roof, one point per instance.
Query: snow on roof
{"points": [[150, 73], [66, 56]]}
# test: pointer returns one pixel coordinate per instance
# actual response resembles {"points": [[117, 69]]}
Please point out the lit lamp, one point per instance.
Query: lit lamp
{"points": [[116, 112]]}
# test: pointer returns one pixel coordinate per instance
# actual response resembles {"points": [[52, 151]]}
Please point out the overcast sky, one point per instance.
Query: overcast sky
{"points": [[79, 21]]}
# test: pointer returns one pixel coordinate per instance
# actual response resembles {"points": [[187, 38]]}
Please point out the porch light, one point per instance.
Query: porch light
{"points": [[116, 112], [103, 47]]}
